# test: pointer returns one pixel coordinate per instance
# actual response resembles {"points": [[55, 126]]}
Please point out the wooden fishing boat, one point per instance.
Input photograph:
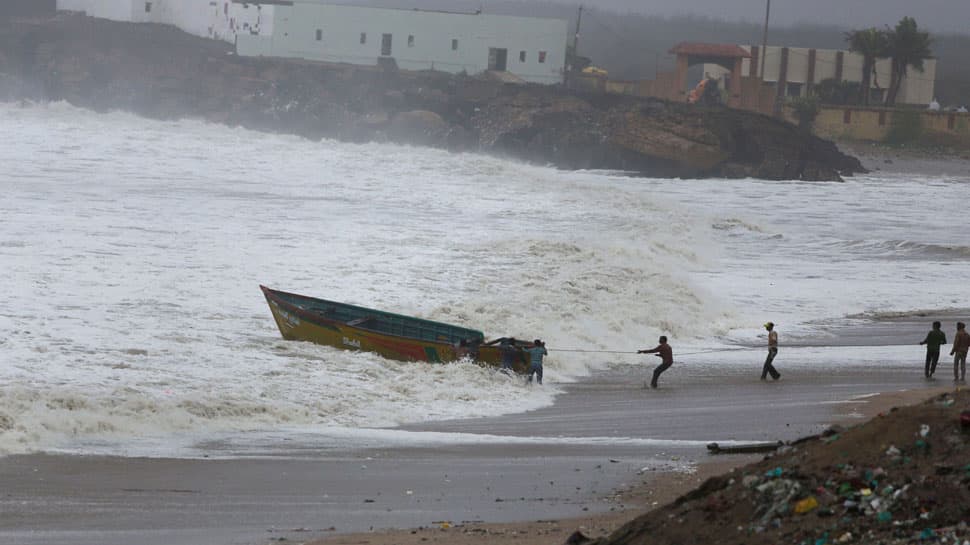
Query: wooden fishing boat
{"points": [[393, 336]]}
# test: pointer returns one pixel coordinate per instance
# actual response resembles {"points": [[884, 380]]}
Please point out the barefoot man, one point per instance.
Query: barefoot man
{"points": [[666, 355], [769, 369]]}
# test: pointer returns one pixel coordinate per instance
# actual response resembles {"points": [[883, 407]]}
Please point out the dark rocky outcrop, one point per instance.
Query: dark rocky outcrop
{"points": [[158, 71]]}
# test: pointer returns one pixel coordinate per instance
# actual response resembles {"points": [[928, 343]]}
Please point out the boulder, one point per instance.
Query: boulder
{"points": [[418, 127]]}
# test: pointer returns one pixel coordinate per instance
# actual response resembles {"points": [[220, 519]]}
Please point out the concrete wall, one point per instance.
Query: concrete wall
{"points": [[216, 19], [665, 86], [825, 64], [219, 20], [420, 40], [873, 124], [115, 10], [919, 87]]}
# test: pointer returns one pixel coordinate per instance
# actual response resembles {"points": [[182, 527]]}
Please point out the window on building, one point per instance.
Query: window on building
{"points": [[454, 45], [521, 56], [319, 34], [876, 96], [411, 40], [148, 7], [363, 37], [794, 89], [542, 56]]}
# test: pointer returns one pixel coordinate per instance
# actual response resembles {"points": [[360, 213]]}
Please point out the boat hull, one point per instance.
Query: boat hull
{"points": [[297, 323]]}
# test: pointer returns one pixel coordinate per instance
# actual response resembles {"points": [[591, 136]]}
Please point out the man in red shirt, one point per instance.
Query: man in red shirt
{"points": [[666, 355]]}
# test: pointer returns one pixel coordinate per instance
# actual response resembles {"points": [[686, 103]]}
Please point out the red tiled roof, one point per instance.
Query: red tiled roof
{"points": [[710, 50]]}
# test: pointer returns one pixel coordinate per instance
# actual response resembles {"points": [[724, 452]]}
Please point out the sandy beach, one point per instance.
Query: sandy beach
{"points": [[651, 493], [538, 491]]}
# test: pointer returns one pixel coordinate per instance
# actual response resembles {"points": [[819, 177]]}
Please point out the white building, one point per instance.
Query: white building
{"points": [[532, 49], [216, 19]]}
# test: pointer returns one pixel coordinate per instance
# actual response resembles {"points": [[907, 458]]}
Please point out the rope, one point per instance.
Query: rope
{"points": [[590, 351], [635, 352]]}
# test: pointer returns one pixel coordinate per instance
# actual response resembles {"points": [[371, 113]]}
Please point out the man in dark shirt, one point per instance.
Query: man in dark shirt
{"points": [[666, 355], [508, 349], [961, 344], [933, 340]]}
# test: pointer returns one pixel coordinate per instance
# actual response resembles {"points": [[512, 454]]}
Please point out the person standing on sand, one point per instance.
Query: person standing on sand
{"points": [[537, 351], [666, 355], [961, 344], [934, 339], [768, 368]]}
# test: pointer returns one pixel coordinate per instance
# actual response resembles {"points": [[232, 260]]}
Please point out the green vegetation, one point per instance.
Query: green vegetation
{"points": [[838, 93], [872, 44], [806, 110], [906, 128], [907, 46]]}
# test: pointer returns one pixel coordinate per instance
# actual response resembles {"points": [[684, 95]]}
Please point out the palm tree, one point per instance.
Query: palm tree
{"points": [[907, 46], [872, 44]]}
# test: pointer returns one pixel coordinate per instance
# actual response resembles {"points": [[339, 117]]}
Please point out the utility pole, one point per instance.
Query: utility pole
{"points": [[579, 21], [571, 68], [764, 41]]}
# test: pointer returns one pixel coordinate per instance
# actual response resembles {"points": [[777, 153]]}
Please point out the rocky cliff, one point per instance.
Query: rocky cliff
{"points": [[161, 72]]}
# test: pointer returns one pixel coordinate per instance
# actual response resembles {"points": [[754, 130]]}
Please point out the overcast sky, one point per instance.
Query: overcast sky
{"points": [[934, 15]]}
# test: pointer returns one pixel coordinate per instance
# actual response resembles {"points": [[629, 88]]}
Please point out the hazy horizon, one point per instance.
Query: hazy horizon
{"points": [[947, 16]]}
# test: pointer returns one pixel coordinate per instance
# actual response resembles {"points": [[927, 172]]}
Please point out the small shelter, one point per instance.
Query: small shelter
{"points": [[730, 56]]}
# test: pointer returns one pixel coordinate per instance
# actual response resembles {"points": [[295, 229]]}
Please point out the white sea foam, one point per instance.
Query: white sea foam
{"points": [[132, 251]]}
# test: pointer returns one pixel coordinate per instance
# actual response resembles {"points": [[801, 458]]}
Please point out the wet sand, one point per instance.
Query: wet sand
{"points": [[105, 500], [602, 454], [921, 162]]}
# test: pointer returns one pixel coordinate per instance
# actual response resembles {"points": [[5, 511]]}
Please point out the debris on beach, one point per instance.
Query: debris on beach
{"points": [[902, 477]]}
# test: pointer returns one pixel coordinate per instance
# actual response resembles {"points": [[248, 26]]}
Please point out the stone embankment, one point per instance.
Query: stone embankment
{"points": [[160, 72]]}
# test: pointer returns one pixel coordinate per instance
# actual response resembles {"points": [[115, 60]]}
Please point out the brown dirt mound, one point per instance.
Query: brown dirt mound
{"points": [[903, 477]]}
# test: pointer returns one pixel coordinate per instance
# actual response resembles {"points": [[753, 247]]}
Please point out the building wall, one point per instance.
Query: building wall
{"points": [[219, 19], [420, 40], [825, 64], [917, 87], [873, 124], [216, 19], [115, 10]]}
